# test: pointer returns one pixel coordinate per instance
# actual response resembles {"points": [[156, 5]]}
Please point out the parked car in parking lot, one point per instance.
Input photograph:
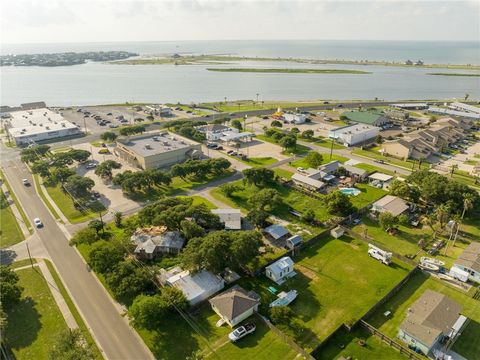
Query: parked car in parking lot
{"points": [[109, 114], [91, 165], [219, 148]]}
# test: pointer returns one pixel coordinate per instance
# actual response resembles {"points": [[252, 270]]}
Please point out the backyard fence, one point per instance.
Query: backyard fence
{"points": [[285, 338], [390, 342]]}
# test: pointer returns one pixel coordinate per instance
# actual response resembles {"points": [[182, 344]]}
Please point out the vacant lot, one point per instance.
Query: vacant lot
{"points": [[34, 323], [415, 287], [405, 241], [337, 282]]}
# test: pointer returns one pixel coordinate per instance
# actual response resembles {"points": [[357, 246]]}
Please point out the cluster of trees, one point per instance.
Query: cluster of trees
{"points": [[436, 190], [388, 220], [173, 213], [260, 177], [200, 168], [132, 130], [314, 159], [339, 204], [220, 249], [308, 134], [263, 202], [10, 294], [149, 311], [286, 320], [132, 181], [109, 136], [237, 124], [33, 153], [187, 129], [104, 170], [287, 140]]}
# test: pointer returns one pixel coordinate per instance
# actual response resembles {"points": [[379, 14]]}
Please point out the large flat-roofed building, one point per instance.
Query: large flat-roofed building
{"points": [[465, 107], [374, 118], [157, 150], [354, 134], [34, 124]]}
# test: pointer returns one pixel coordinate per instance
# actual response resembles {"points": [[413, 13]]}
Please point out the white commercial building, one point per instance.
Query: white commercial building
{"points": [[295, 118], [354, 134], [464, 107], [37, 125], [443, 111]]}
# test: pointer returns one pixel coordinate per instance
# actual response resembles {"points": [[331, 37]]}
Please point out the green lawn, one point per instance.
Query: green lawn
{"points": [[405, 241], [66, 205], [44, 198], [258, 162], [33, 324], [21, 263], [10, 232], [337, 282], [283, 173], [299, 149], [247, 105], [326, 159], [263, 344], [464, 178], [323, 142], [25, 218], [409, 164], [415, 287], [346, 344], [467, 344]]}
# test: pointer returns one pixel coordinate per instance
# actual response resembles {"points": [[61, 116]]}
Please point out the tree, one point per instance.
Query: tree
{"points": [[147, 311], [10, 291], [276, 123], [118, 218], [295, 130], [387, 220], [108, 136], [257, 217], [41, 168], [34, 153], [61, 174], [104, 256], [96, 225], [190, 229], [308, 134], [400, 189], [314, 159], [229, 188], [104, 170], [71, 345], [85, 236], [339, 203], [174, 298], [379, 139], [128, 280], [308, 216], [259, 176], [79, 186], [132, 130], [79, 155], [266, 200], [237, 124], [288, 142], [281, 314]]}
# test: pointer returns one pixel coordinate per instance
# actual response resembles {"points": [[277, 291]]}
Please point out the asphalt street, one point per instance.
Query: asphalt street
{"points": [[115, 337]]}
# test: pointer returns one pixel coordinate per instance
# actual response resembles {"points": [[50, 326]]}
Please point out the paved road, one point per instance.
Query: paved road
{"points": [[115, 337]]}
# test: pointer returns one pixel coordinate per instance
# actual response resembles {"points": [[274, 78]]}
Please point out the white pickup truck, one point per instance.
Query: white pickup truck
{"points": [[241, 331]]}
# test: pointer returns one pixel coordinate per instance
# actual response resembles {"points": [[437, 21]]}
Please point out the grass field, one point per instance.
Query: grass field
{"points": [[10, 230], [346, 344], [25, 218], [288, 71], [33, 324], [66, 205], [405, 241], [323, 142], [326, 159], [409, 164], [331, 275], [299, 149], [259, 161], [415, 287], [283, 173], [44, 198]]}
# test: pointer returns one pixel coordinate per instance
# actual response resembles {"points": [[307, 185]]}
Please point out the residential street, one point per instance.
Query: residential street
{"points": [[115, 337]]}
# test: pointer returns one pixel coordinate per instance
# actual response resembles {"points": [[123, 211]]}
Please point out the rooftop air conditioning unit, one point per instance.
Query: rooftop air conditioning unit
{"points": [[47, 127], [63, 125]]}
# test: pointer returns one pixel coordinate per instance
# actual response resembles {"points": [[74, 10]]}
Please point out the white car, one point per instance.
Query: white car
{"points": [[38, 223], [26, 182], [300, 169], [241, 331], [91, 165]]}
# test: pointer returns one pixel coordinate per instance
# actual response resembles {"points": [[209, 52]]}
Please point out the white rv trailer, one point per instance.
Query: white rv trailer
{"points": [[381, 255]]}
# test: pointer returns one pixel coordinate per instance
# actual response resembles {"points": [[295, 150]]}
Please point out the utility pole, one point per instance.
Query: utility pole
{"points": [[29, 255]]}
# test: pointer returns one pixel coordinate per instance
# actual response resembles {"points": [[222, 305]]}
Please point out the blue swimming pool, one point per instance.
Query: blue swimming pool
{"points": [[350, 191]]}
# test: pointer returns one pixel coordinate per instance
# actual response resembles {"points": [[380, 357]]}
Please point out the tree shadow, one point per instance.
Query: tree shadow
{"points": [[7, 256], [23, 324]]}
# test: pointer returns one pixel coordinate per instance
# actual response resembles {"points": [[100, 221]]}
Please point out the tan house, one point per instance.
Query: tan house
{"points": [[423, 143], [235, 305]]}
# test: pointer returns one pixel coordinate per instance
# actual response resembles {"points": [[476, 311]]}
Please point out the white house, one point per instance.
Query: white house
{"points": [[231, 218], [354, 134], [214, 132], [235, 305], [337, 232], [280, 270], [469, 261], [196, 287], [380, 180]]}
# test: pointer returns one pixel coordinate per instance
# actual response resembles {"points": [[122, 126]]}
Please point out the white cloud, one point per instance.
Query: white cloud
{"points": [[136, 20]]}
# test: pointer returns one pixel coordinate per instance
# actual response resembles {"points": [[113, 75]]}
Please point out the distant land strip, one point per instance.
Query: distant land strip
{"points": [[453, 74], [290, 71]]}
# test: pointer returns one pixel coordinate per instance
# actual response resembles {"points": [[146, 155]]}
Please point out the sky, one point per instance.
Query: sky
{"points": [[52, 21]]}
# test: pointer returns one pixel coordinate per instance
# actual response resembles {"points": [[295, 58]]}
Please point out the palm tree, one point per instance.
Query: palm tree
{"points": [[431, 220], [466, 96], [442, 213], [467, 205], [452, 169]]}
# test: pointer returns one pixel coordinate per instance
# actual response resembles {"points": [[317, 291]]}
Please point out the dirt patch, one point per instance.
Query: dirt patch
{"points": [[309, 273]]}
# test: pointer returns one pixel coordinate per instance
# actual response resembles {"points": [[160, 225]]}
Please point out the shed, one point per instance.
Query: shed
{"points": [[294, 241], [337, 232], [276, 231], [280, 270]]}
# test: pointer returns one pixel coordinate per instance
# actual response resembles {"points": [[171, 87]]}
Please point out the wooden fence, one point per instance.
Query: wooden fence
{"points": [[285, 338], [390, 342]]}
